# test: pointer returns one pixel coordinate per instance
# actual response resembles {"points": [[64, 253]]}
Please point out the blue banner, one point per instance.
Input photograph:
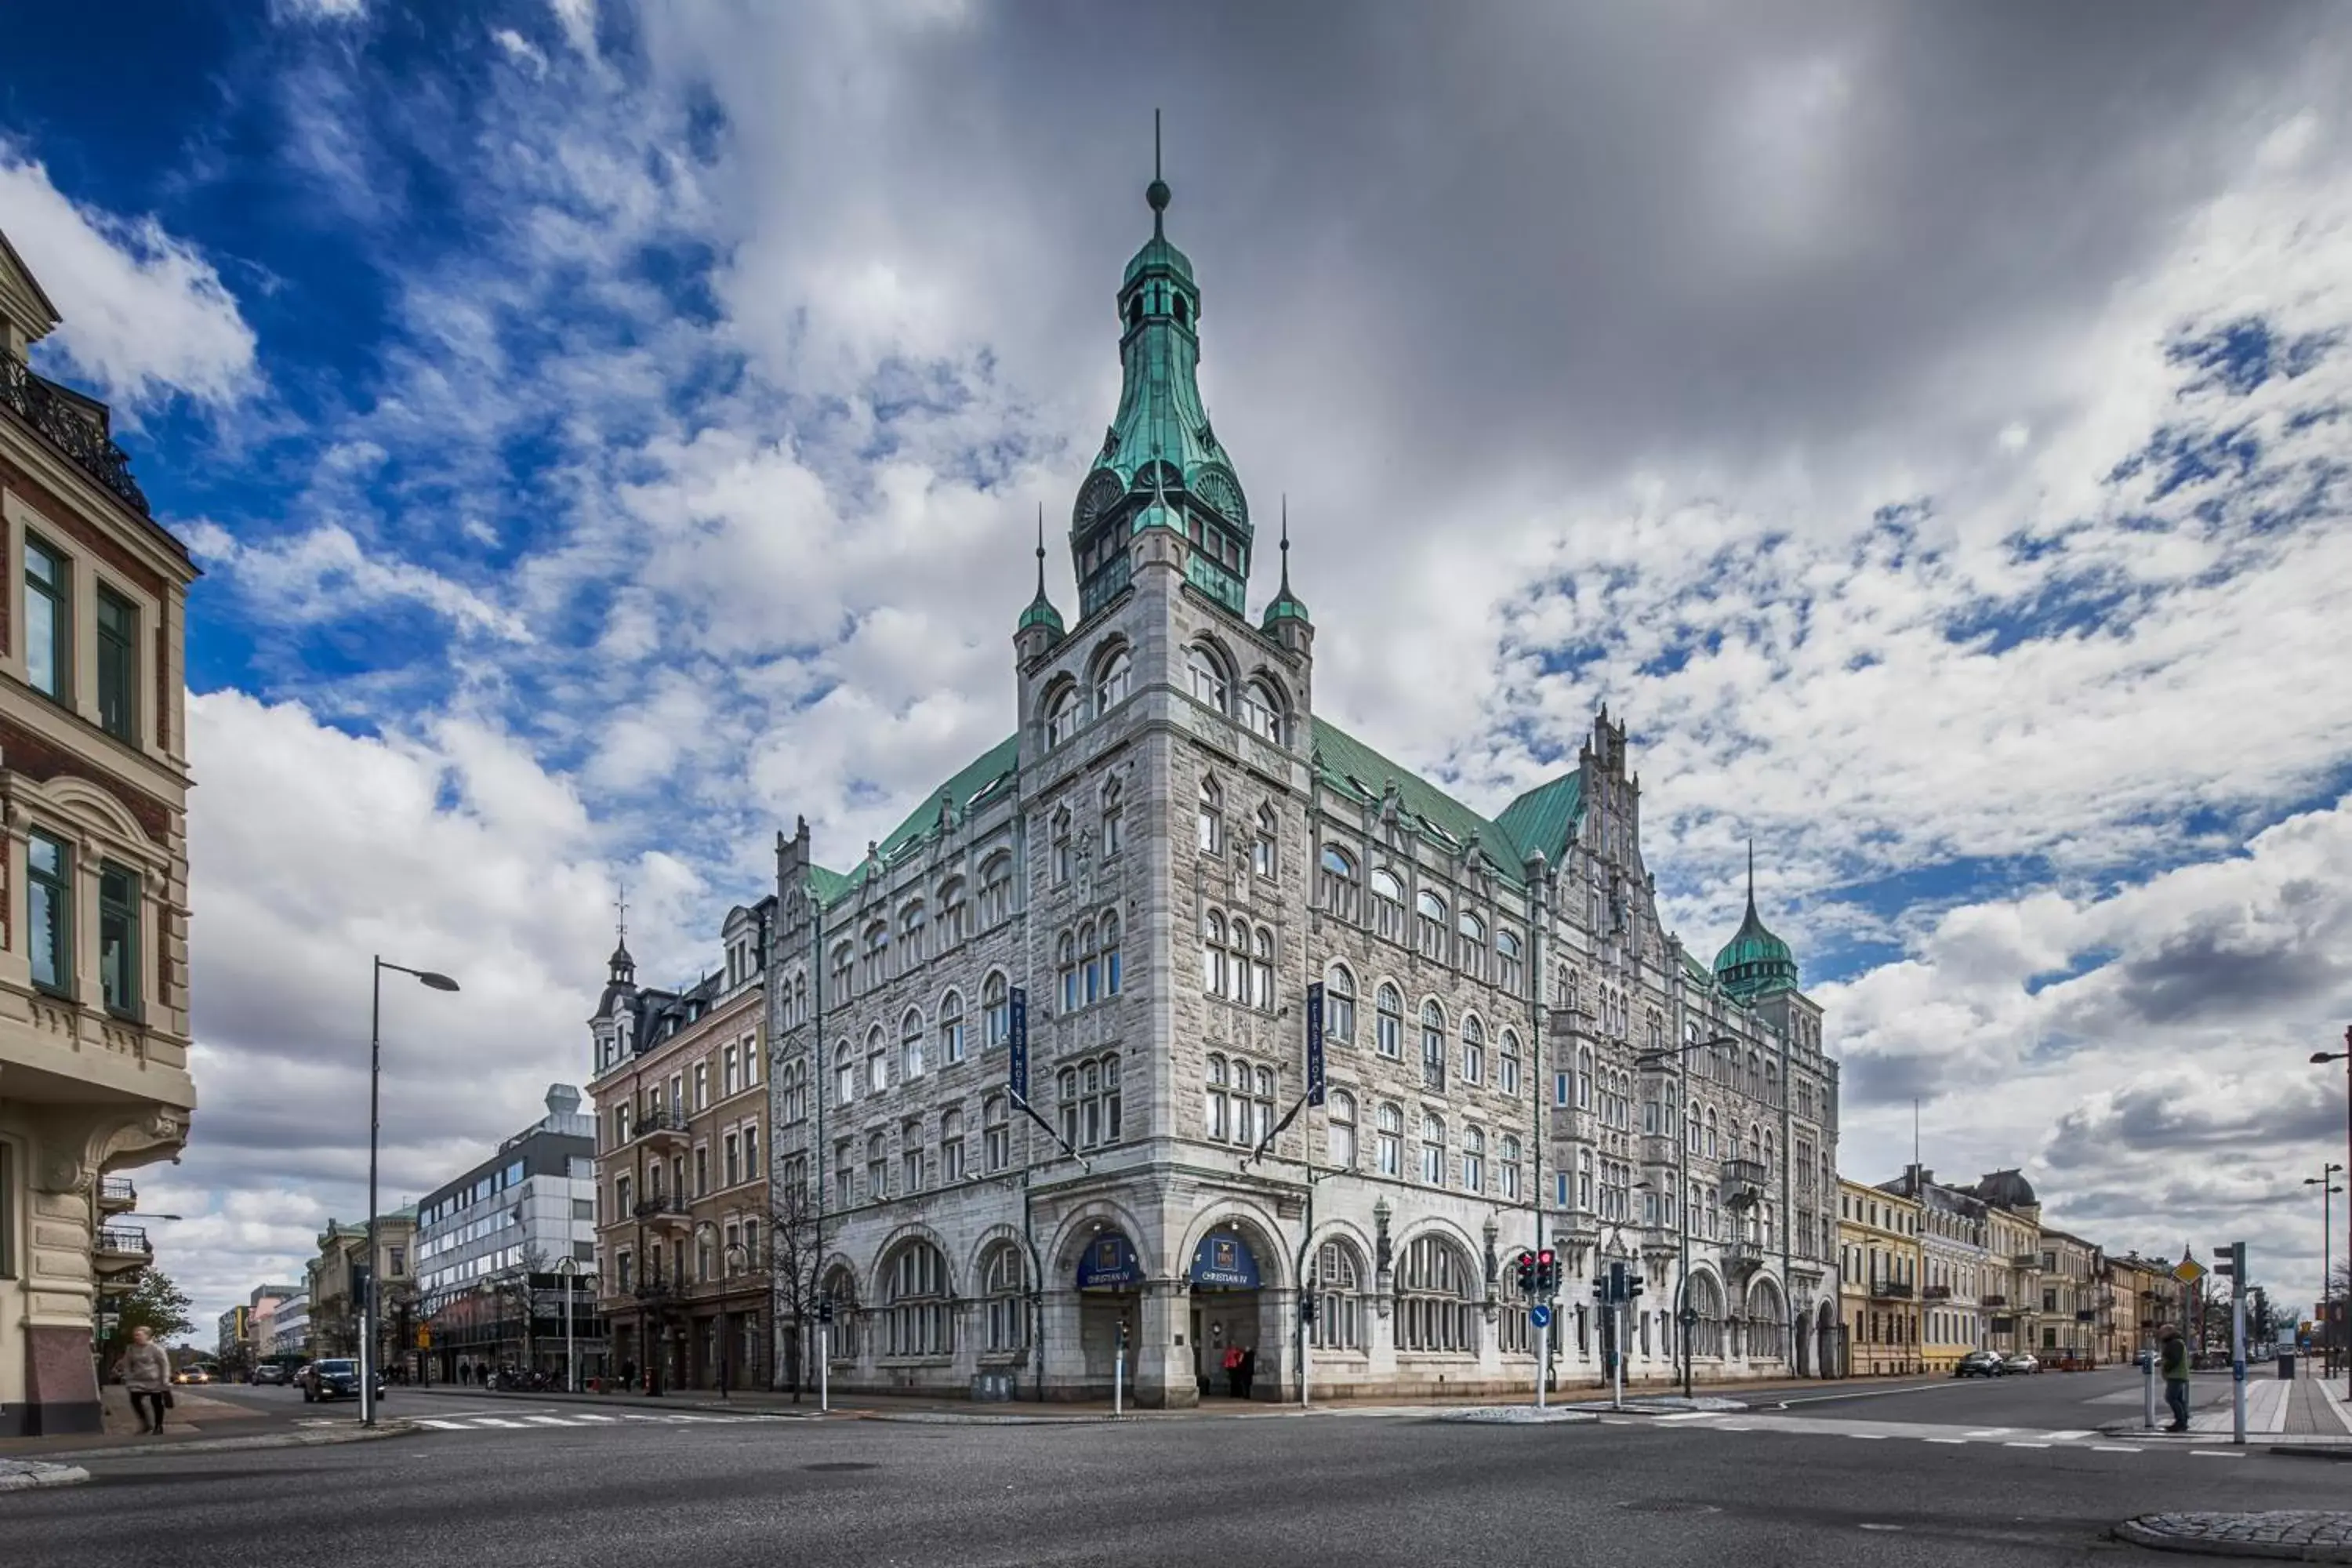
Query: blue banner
{"points": [[1017, 1004], [1223, 1262], [1109, 1263], [1315, 1044]]}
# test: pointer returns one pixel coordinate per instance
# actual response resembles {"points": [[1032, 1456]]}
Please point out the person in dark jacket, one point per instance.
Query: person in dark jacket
{"points": [[2173, 1362]]}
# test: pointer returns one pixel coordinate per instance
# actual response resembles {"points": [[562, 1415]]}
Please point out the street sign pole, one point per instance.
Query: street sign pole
{"points": [[1118, 1374], [1617, 1351], [1543, 1353], [2238, 1352], [824, 1367]]}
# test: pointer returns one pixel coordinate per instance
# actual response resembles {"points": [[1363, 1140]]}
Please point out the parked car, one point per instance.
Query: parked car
{"points": [[338, 1378], [1979, 1363], [188, 1374], [273, 1372], [2023, 1361]]}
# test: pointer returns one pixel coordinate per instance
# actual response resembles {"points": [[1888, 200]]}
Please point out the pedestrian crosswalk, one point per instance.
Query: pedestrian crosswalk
{"points": [[517, 1421], [2083, 1440]]}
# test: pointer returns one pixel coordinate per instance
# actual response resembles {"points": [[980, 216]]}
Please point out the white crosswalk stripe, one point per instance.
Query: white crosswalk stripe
{"points": [[1869, 1431], [574, 1420]]}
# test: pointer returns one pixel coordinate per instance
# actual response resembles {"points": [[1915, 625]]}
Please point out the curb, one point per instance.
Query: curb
{"points": [[2139, 1534], [39, 1473], [310, 1439]]}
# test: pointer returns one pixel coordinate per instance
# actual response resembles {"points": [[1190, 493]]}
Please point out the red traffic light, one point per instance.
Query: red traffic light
{"points": [[1545, 1257]]}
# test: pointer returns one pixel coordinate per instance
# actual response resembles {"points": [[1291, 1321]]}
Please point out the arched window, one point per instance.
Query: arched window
{"points": [[1474, 1050], [1216, 1110], [1114, 819], [1210, 832], [1063, 712], [1004, 1285], [1432, 1148], [1339, 1130], [1584, 1078], [1065, 960], [878, 1061], [996, 1012], [1237, 969], [1508, 1065], [1710, 1135], [951, 1166], [1433, 1047], [1510, 971], [1436, 1304], [1387, 906], [915, 1290], [1208, 676], [1388, 1022], [1262, 968], [1706, 1300], [793, 1082], [842, 954], [995, 1134], [1507, 1166], [912, 922], [840, 1288], [1339, 1005], [877, 1167], [1261, 1103], [1390, 1152], [1089, 1101], [951, 1042], [1112, 967], [1111, 678], [1335, 883], [910, 1044], [1261, 711], [1061, 855], [1431, 911], [844, 1074], [1266, 853], [1472, 956], [1212, 954], [876, 955], [996, 891], [955, 915], [1338, 1286], [1474, 1160]]}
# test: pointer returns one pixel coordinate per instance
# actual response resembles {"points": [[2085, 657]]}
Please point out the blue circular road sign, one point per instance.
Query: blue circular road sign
{"points": [[1540, 1316]]}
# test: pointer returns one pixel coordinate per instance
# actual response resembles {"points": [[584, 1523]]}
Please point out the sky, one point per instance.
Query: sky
{"points": [[609, 433]]}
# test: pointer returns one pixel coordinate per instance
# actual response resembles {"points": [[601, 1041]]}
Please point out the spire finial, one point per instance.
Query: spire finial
{"points": [[1286, 544], [621, 908], [1156, 193], [1041, 549], [1751, 874]]}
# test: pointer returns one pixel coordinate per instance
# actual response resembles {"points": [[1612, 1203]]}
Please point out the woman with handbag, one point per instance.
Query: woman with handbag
{"points": [[147, 1373]]}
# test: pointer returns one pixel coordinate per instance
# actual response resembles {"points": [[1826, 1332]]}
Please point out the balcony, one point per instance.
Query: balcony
{"points": [[1890, 1289], [1742, 1256], [120, 1249], [2026, 1261], [116, 1194], [658, 1128], [1995, 1300], [1936, 1293], [76, 427], [1743, 1182], [663, 1214]]}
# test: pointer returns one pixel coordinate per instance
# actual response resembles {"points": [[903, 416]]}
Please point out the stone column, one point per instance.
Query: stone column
{"points": [[1160, 1350]]}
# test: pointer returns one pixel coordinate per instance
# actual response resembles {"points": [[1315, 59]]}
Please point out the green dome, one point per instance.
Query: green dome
{"points": [[1755, 961], [1286, 606], [1041, 612]]}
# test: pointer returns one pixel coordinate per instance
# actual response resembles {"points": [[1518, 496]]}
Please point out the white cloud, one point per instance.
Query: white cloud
{"points": [[145, 314], [324, 573]]}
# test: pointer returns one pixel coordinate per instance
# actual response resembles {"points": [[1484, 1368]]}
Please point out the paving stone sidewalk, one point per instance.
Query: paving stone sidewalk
{"points": [[2284, 1536]]}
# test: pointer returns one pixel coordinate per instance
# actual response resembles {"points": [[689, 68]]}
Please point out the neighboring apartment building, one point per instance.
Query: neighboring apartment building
{"points": [[682, 1166], [289, 1328], [2070, 1268], [1880, 1260], [335, 1312], [229, 1330], [2013, 1241], [2136, 1296], [1956, 1261], [498, 1248], [262, 1307], [93, 872], [1146, 883]]}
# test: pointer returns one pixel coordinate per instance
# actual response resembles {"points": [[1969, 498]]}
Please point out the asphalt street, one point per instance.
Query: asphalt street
{"points": [[2049, 1401], [1366, 1489]]}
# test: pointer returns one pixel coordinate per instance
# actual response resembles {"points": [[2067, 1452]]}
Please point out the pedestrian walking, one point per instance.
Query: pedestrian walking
{"points": [[2173, 1363], [1249, 1371], [1234, 1371], [147, 1373], [722, 1377]]}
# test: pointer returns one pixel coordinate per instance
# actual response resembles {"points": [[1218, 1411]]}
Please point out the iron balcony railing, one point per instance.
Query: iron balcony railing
{"points": [[1936, 1293], [656, 1121], [1890, 1289], [659, 1208], [71, 430], [117, 1191], [124, 1241]]}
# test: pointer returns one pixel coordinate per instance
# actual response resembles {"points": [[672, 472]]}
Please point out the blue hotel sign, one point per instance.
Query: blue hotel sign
{"points": [[1109, 1263], [1315, 1044], [1017, 1033], [1223, 1262]]}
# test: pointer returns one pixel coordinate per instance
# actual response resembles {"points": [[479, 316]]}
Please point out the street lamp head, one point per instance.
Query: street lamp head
{"points": [[438, 982], [2318, 1056]]}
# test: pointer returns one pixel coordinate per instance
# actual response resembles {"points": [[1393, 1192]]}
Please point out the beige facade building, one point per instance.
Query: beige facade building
{"points": [[2135, 1297], [1956, 1262], [2013, 1307], [1149, 884], [336, 1311], [93, 871], [682, 1170], [2071, 1310], [1880, 1261]]}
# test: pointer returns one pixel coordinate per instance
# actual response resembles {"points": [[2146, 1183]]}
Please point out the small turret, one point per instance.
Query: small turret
{"points": [[1755, 962]]}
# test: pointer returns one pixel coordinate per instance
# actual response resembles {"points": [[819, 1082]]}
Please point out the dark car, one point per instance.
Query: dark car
{"points": [[1979, 1363], [335, 1379]]}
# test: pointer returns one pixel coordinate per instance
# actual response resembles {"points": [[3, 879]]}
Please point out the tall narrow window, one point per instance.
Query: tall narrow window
{"points": [[48, 908], [1208, 678], [1474, 1050], [1339, 1005], [1263, 847], [1387, 906], [1062, 855], [951, 1029], [1389, 1149], [1433, 1047], [118, 940], [1210, 834], [1262, 968], [878, 1062], [910, 1046], [1111, 960], [1335, 883], [1062, 713], [1388, 1023], [1339, 1130], [47, 628], [951, 1147], [1433, 1149], [1474, 1160], [996, 1012], [995, 1134], [1261, 711], [1111, 681], [1431, 909], [1114, 820], [118, 666]]}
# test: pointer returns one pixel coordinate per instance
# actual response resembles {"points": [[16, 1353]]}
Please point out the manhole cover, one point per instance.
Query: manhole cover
{"points": [[1667, 1505], [842, 1465]]}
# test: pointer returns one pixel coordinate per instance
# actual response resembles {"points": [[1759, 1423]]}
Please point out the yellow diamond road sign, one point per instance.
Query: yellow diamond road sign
{"points": [[2189, 1271]]}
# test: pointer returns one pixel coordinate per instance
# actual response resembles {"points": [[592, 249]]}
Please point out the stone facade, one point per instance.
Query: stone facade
{"points": [[335, 1320], [93, 872], [1143, 884]]}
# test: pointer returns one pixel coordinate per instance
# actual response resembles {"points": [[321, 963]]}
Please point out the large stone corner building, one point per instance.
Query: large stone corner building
{"points": [[1146, 878], [93, 869]]}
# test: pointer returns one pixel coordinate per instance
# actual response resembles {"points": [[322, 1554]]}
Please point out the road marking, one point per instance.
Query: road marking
{"points": [[1685, 1416], [2116, 1448], [2215, 1454], [1729, 1426], [549, 1421], [2025, 1445], [442, 1426], [1869, 1437], [1990, 1431], [1956, 1442], [1882, 1526], [2069, 1436], [605, 1420], [494, 1421]]}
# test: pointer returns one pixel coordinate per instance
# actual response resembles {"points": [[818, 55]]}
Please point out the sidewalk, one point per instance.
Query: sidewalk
{"points": [[192, 1416], [2297, 1413]]}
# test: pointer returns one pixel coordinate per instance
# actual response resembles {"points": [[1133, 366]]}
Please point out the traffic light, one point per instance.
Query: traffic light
{"points": [[1547, 1271], [1307, 1308], [1523, 1269], [2230, 1259], [1632, 1286]]}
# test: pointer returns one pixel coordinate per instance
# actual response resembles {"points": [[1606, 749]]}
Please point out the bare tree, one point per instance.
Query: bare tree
{"points": [[516, 1293], [795, 1260]]}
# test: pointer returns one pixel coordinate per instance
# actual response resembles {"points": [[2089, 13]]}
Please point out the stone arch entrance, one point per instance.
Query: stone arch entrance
{"points": [[1233, 1275]]}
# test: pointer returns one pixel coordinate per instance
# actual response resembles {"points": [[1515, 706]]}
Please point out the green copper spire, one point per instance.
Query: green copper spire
{"points": [[1160, 443], [1755, 961], [1041, 611], [1286, 605]]}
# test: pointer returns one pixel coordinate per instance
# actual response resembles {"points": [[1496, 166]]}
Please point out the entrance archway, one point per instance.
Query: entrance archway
{"points": [[1225, 1280], [1109, 1279]]}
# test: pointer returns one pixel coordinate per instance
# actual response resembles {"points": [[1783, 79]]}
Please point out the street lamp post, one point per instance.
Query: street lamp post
{"points": [[2327, 1173], [375, 1076], [2344, 1055], [1681, 1056], [568, 1266]]}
